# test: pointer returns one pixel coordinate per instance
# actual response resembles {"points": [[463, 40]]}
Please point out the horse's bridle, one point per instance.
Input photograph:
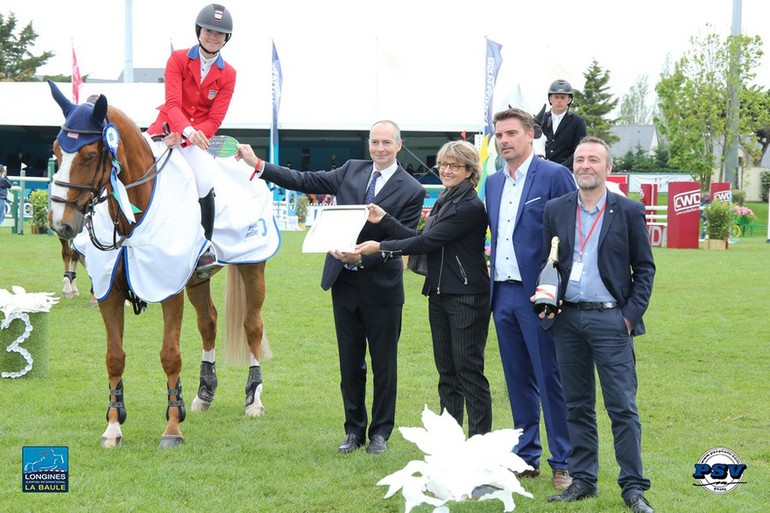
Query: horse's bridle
{"points": [[96, 191], [99, 194]]}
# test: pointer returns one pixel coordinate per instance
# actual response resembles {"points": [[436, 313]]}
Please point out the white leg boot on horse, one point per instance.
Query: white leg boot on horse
{"points": [[208, 260]]}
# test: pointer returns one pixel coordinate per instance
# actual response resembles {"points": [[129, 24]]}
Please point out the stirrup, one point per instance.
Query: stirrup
{"points": [[206, 263]]}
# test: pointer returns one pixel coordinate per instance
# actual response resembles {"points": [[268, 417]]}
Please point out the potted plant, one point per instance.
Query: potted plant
{"points": [[39, 201], [720, 217]]}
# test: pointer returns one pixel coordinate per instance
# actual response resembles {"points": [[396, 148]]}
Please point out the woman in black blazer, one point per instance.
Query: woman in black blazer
{"points": [[457, 282]]}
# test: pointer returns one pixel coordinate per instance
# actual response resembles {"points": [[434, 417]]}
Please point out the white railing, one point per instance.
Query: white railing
{"points": [[656, 217]]}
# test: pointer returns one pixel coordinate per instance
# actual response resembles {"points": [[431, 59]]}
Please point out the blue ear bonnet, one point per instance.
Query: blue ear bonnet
{"points": [[83, 123], [79, 129]]}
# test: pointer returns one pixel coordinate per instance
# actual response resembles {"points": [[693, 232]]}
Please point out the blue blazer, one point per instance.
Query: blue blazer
{"points": [[544, 181], [625, 258]]}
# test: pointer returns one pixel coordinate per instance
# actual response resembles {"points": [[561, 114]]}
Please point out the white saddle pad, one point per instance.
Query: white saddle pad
{"points": [[162, 251]]}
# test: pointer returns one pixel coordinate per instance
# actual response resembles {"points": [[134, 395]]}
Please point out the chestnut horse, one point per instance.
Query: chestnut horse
{"points": [[95, 163]]}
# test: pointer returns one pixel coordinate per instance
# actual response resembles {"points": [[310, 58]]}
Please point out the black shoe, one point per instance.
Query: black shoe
{"points": [[575, 492], [377, 445], [639, 504], [350, 444]]}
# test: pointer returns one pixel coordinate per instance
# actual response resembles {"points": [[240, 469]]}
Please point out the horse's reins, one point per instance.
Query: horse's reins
{"points": [[98, 196]]}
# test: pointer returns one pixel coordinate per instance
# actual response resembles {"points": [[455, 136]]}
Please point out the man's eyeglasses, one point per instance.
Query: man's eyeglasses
{"points": [[454, 166]]}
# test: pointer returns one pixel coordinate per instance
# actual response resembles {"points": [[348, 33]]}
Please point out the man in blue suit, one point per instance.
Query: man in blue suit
{"points": [[516, 196]]}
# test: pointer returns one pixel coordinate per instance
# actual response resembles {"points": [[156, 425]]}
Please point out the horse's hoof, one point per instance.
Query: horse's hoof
{"points": [[255, 409], [170, 441], [109, 443], [199, 404]]}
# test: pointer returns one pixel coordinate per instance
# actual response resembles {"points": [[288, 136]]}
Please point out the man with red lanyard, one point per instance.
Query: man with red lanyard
{"points": [[607, 270], [199, 86]]}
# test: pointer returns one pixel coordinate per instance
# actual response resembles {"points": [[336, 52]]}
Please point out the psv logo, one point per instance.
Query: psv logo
{"points": [[719, 470]]}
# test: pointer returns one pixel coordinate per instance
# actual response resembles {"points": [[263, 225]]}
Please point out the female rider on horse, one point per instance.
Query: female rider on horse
{"points": [[199, 86]]}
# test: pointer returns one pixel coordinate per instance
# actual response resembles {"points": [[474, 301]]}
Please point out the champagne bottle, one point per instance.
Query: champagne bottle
{"points": [[549, 283]]}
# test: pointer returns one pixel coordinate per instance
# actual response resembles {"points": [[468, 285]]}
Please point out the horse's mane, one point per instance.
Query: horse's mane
{"points": [[133, 151]]}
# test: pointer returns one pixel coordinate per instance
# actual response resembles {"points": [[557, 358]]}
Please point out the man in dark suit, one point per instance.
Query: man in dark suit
{"points": [[516, 196], [563, 129], [367, 291], [607, 272]]}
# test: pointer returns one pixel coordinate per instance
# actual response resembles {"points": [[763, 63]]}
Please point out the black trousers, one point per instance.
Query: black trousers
{"points": [[598, 340], [459, 325], [357, 323]]}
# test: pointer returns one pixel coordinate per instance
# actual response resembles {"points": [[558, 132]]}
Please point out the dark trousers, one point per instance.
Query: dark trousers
{"points": [[459, 325], [357, 322], [599, 339], [532, 375]]}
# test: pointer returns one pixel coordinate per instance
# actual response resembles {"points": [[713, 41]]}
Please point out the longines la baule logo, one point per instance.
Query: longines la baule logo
{"points": [[45, 469]]}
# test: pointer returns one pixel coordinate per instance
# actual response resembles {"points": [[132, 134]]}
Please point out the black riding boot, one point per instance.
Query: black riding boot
{"points": [[208, 260], [208, 211]]}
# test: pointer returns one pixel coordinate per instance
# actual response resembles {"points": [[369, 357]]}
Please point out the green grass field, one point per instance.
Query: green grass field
{"points": [[702, 369]]}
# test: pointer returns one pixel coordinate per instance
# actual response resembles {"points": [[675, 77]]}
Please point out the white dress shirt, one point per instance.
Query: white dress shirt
{"points": [[506, 265]]}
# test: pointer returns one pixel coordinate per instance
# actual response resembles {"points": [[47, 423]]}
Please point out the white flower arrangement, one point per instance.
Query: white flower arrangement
{"points": [[455, 469], [18, 304]]}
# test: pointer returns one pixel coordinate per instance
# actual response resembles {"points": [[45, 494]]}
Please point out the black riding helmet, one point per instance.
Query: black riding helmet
{"points": [[214, 17], [560, 87]]}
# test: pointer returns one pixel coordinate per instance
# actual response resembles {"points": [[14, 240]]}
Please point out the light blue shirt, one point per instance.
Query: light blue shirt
{"points": [[506, 265], [590, 288]]}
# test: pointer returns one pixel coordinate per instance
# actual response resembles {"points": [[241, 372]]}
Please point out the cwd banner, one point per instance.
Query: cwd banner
{"points": [[487, 149]]}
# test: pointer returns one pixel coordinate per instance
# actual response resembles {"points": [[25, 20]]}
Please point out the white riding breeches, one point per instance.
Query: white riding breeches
{"points": [[203, 167]]}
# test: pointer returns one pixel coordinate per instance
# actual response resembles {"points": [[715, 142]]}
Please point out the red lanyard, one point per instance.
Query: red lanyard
{"points": [[580, 229]]}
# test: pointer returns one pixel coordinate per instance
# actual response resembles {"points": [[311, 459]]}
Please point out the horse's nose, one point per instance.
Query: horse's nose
{"points": [[66, 231]]}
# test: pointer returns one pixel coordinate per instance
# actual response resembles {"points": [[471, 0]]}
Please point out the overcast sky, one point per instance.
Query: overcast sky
{"points": [[418, 48]]}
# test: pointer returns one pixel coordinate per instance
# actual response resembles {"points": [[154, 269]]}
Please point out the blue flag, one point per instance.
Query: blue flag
{"points": [[491, 67], [277, 85], [488, 151]]}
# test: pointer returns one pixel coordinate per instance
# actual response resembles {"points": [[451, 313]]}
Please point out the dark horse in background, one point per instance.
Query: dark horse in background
{"points": [[82, 182]]}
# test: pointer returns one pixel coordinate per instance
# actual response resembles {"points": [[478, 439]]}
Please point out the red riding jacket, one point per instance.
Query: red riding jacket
{"points": [[190, 102]]}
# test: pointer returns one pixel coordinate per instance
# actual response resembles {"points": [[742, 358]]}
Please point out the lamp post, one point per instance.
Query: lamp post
{"points": [[733, 107]]}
